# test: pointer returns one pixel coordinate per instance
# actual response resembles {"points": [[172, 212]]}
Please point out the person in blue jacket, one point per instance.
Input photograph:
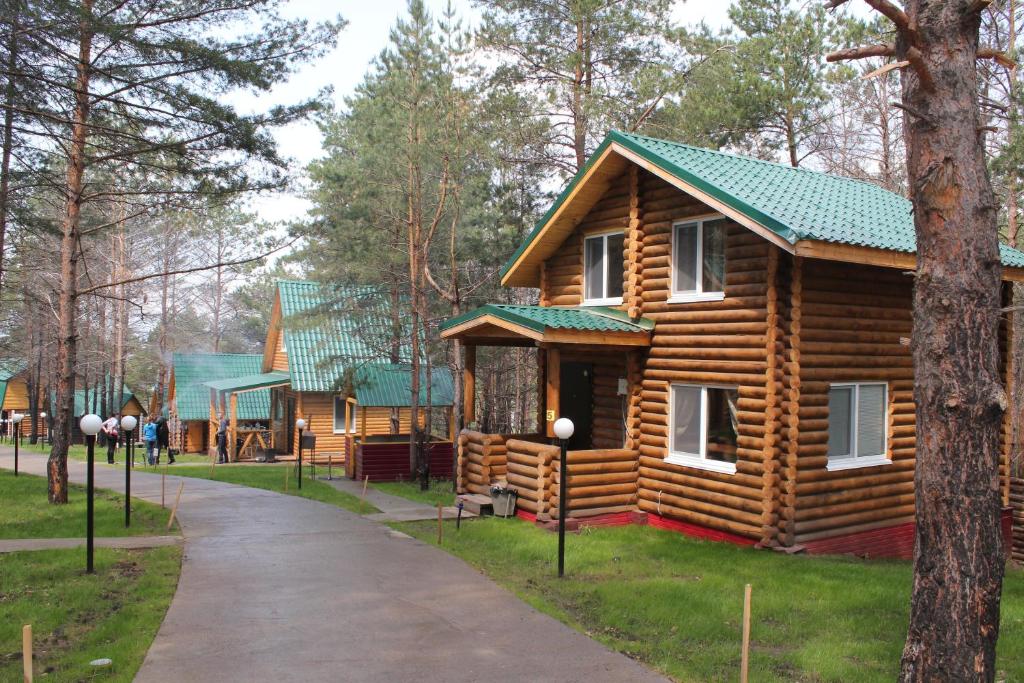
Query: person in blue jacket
{"points": [[149, 436]]}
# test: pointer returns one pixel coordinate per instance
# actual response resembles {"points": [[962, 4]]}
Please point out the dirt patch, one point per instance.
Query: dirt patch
{"points": [[129, 569]]}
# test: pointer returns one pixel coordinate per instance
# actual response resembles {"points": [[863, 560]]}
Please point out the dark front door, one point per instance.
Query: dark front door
{"points": [[289, 421], [576, 402]]}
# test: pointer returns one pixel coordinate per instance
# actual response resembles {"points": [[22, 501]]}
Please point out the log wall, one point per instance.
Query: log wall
{"points": [[600, 482], [529, 472], [482, 457]]}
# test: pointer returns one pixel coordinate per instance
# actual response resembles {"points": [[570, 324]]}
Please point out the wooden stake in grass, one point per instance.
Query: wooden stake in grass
{"points": [[440, 528], [174, 510], [286, 469], [26, 652], [745, 658], [163, 486], [362, 499]]}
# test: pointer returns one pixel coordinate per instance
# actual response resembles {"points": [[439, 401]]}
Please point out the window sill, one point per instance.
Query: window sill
{"points": [[617, 301], [856, 463], [701, 463], [686, 298]]}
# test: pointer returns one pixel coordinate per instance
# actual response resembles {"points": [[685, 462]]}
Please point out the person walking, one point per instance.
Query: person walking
{"points": [[149, 436], [111, 433], [163, 436], [163, 440], [222, 441]]}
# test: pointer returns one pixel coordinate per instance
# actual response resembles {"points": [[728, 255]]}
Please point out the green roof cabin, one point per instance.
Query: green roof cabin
{"points": [[730, 337], [329, 359], [193, 424]]}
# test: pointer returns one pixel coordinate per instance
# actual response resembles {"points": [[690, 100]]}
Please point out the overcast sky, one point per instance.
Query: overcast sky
{"points": [[369, 22]]}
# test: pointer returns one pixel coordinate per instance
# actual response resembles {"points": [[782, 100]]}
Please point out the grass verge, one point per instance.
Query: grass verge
{"points": [[272, 478], [78, 452], [26, 514], [440, 491], [77, 618], [675, 603]]}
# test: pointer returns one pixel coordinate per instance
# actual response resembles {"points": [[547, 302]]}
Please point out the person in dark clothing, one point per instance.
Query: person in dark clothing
{"points": [[222, 441], [163, 439], [110, 431]]}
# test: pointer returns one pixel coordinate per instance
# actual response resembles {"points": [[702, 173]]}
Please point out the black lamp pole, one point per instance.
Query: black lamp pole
{"points": [[129, 460], [562, 477], [17, 428], [91, 443]]}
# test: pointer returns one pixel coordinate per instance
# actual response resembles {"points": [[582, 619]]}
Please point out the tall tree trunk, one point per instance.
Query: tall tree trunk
{"points": [[579, 118], [958, 391], [8, 145], [67, 301]]}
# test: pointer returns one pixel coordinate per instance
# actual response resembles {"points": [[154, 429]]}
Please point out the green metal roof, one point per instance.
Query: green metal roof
{"points": [[541, 318], [388, 385], [794, 203], [10, 368], [249, 382], [3, 390], [95, 402], [192, 370], [328, 329]]}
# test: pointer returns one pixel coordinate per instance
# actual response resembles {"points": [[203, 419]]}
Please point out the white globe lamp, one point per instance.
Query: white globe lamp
{"points": [[564, 428], [90, 424], [128, 423], [17, 418], [300, 423]]}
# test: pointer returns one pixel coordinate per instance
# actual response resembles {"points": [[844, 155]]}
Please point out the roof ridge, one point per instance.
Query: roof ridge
{"points": [[745, 158]]}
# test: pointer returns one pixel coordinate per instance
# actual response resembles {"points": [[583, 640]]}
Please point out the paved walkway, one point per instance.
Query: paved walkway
{"points": [[18, 544], [394, 508], [279, 588]]}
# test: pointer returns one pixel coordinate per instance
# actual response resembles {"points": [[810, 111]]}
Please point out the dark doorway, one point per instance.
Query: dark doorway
{"points": [[576, 402], [289, 421]]}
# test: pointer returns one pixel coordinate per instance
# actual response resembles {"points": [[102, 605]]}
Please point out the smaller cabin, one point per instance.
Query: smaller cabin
{"points": [[188, 399], [14, 398], [328, 359]]}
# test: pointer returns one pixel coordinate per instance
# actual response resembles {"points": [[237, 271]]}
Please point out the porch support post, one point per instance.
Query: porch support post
{"points": [[349, 427], [541, 383], [211, 427], [469, 386], [553, 384], [233, 433]]}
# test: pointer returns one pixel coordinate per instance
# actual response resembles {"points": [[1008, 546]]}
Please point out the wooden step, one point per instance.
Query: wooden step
{"points": [[477, 503]]}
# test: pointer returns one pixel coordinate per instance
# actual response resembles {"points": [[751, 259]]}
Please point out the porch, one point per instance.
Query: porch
{"points": [[588, 370]]}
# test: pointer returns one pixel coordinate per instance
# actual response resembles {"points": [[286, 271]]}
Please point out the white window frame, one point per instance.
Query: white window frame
{"points": [[686, 296], [696, 460], [854, 461], [602, 301], [352, 412]]}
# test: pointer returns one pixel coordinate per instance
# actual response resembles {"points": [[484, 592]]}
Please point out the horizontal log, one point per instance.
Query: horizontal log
{"points": [[750, 529]]}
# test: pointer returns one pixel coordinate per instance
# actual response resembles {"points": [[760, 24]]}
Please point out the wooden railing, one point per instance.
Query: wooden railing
{"points": [[600, 482], [1017, 502]]}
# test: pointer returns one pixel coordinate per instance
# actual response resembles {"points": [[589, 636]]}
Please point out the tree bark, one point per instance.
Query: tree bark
{"points": [[67, 302], [8, 145], [958, 557]]}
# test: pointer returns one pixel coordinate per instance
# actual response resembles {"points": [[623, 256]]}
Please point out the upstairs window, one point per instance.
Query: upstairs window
{"points": [[857, 425], [602, 269], [339, 417], [698, 260]]}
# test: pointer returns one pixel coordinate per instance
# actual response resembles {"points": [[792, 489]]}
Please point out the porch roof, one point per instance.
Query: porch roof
{"points": [[509, 325], [250, 382]]}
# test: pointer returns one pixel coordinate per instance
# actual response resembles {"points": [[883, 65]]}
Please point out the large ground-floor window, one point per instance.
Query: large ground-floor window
{"points": [[703, 427], [857, 425]]}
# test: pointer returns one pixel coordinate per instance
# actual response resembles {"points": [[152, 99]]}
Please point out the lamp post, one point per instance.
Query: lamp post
{"points": [[16, 419], [128, 424], [564, 429], [3, 429], [90, 425], [301, 424], [46, 428]]}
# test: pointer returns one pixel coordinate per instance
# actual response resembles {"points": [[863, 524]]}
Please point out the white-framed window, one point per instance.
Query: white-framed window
{"points": [[703, 427], [857, 425], [339, 417], [602, 269], [698, 259]]}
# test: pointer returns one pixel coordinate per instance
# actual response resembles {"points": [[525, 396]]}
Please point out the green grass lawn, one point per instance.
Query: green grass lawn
{"points": [[77, 618], [78, 452], [27, 514], [440, 491], [676, 603], [272, 478]]}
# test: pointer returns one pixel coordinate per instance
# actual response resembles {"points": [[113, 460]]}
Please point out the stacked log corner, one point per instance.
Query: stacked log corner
{"points": [[1017, 503], [529, 467], [481, 459]]}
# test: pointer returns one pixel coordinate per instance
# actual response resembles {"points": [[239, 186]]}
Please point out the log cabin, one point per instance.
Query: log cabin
{"points": [[730, 337], [14, 398], [86, 403], [329, 359], [188, 400]]}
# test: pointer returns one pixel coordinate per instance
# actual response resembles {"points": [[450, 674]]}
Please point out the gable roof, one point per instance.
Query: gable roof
{"points": [[549, 324], [791, 207], [192, 397], [330, 328]]}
